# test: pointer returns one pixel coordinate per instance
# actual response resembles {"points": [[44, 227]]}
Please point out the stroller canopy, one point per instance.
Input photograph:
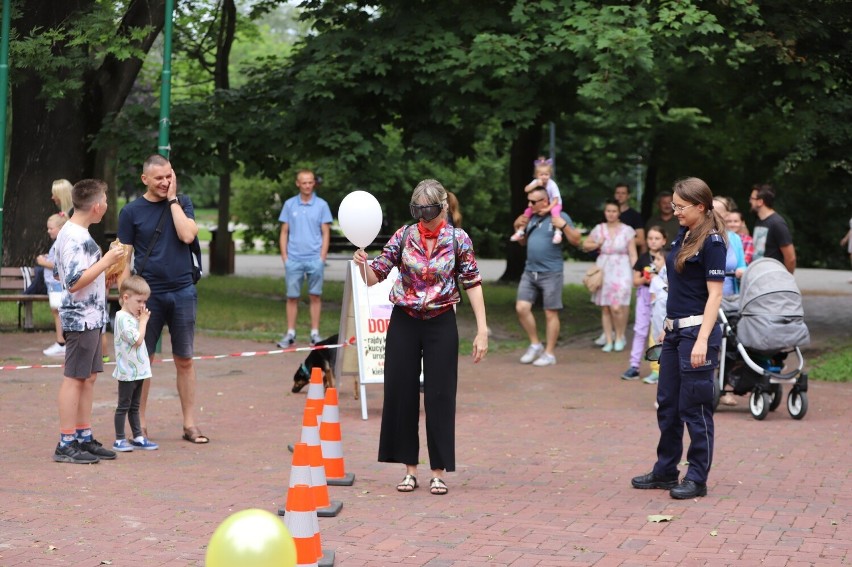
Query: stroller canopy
{"points": [[771, 313]]}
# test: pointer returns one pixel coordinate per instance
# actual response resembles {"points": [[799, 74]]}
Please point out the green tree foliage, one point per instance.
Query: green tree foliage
{"points": [[73, 63], [735, 91]]}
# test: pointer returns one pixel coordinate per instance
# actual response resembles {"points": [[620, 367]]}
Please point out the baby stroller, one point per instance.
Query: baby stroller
{"points": [[761, 327]]}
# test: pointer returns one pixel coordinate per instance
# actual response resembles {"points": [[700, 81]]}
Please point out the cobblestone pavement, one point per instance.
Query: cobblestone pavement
{"points": [[545, 457]]}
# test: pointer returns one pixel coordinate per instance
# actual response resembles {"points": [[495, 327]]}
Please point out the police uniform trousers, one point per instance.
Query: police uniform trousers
{"points": [[685, 396], [409, 340]]}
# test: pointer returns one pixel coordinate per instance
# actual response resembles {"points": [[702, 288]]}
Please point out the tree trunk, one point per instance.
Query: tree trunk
{"points": [[48, 143], [522, 155], [221, 264]]}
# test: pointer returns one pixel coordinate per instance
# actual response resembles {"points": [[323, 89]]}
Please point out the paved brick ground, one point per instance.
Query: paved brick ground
{"points": [[544, 462]]}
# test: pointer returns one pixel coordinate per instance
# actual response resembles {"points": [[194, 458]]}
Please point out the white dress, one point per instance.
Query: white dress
{"points": [[615, 263]]}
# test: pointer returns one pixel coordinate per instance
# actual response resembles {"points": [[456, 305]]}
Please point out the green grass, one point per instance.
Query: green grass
{"points": [[254, 308], [834, 365]]}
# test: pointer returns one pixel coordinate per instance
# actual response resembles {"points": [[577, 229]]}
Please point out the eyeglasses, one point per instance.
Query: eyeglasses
{"points": [[425, 212], [531, 202], [680, 208]]}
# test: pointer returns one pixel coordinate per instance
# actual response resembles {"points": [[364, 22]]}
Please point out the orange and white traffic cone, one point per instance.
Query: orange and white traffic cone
{"points": [[319, 487], [316, 392], [300, 472], [331, 442], [316, 396], [301, 521]]}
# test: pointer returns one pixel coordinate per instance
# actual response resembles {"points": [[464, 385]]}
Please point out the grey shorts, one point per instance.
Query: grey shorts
{"points": [[548, 285], [83, 354]]}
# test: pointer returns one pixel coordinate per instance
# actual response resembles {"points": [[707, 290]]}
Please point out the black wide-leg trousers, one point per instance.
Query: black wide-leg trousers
{"points": [[436, 342]]}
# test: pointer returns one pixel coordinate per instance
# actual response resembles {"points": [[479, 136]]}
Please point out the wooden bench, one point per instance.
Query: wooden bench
{"points": [[13, 282]]}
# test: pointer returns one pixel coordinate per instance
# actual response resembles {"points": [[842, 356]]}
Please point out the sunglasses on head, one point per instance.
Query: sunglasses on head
{"points": [[425, 212]]}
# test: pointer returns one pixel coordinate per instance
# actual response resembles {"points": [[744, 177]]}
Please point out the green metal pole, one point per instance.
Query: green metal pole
{"points": [[4, 97], [163, 146]]}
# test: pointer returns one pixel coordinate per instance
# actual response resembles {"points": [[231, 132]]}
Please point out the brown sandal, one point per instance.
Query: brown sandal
{"points": [[194, 435]]}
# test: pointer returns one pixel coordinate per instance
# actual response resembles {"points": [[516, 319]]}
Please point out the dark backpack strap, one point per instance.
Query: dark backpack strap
{"points": [[402, 242], [194, 253], [153, 242]]}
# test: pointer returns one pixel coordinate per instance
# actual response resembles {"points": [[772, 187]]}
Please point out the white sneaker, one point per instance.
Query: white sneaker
{"points": [[601, 340], [519, 235], [557, 236], [545, 360], [315, 338], [55, 349], [287, 340], [533, 352]]}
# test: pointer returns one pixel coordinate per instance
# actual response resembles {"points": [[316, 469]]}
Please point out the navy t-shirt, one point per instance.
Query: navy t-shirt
{"points": [[632, 218], [169, 267], [688, 289]]}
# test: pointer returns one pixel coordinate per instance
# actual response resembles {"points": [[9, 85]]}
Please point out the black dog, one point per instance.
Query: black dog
{"points": [[321, 358]]}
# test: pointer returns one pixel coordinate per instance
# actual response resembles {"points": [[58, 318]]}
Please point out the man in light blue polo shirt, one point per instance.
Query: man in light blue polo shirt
{"points": [[304, 239]]}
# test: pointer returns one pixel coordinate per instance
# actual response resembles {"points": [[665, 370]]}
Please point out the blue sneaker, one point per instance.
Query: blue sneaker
{"points": [[631, 373], [122, 445], [146, 444]]}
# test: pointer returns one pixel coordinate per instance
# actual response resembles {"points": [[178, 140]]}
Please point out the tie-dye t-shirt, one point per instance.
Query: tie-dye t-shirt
{"points": [[131, 361], [76, 252], [426, 285]]}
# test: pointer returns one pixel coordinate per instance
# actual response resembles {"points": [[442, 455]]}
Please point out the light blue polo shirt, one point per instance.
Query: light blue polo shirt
{"points": [[305, 220]]}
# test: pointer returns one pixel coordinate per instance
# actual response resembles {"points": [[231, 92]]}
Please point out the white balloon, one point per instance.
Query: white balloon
{"points": [[360, 218]]}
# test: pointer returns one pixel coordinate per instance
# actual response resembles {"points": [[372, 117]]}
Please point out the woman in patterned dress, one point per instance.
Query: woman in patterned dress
{"points": [[433, 259], [616, 244]]}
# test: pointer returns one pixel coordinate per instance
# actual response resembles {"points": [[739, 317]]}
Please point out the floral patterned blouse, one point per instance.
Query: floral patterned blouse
{"points": [[426, 286]]}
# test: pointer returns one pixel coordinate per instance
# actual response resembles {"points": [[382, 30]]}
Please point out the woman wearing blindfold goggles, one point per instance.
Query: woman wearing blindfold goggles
{"points": [[433, 259], [425, 212]]}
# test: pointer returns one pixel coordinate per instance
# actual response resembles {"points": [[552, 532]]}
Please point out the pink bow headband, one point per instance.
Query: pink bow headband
{"points": [[543, 161]]}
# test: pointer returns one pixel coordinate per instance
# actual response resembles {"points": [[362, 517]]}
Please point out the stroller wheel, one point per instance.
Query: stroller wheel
{"points": [[776, 393], [759, 404], [797, 404]]}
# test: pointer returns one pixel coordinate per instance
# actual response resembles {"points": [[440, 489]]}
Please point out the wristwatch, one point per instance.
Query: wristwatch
{"points": [[173, 201]]}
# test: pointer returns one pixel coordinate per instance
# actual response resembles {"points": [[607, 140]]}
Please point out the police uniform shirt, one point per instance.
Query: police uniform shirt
{"points": [[688, 289]]}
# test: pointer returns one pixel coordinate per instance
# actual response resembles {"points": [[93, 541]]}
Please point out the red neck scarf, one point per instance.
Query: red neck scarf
{"points": [[426, 234]]}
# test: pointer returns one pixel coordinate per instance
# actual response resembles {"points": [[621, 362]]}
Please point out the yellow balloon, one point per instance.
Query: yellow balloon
{"points": [[251, 538]]}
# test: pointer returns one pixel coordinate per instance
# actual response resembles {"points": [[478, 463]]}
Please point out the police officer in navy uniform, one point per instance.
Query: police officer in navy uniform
{"points": [[690, 353]]}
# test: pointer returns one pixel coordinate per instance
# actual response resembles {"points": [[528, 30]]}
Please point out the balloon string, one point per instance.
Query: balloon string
{"points": [[367, 287]]}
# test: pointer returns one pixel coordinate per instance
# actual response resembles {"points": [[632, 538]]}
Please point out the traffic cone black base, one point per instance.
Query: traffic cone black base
{"points": [[347, 480]]}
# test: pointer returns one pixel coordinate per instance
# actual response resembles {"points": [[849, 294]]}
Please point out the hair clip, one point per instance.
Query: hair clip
{"points": [[543, 161]]}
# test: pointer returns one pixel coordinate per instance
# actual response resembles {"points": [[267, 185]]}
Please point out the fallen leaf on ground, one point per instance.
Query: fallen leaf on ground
{"points": [[660, 518]]}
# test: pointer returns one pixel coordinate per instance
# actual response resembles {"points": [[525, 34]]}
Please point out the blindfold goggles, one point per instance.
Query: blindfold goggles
{"points": [[425, 212]]}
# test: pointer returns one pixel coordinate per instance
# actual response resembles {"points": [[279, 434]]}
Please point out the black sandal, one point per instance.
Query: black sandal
{"points": [[438, 487], [408, 484]]}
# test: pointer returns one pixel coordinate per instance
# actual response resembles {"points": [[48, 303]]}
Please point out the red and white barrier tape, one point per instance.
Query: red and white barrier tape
{"points": [[247, 354]]}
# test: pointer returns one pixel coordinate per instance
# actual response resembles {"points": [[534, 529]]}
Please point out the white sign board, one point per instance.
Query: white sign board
{"points": [[369, 309]]}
